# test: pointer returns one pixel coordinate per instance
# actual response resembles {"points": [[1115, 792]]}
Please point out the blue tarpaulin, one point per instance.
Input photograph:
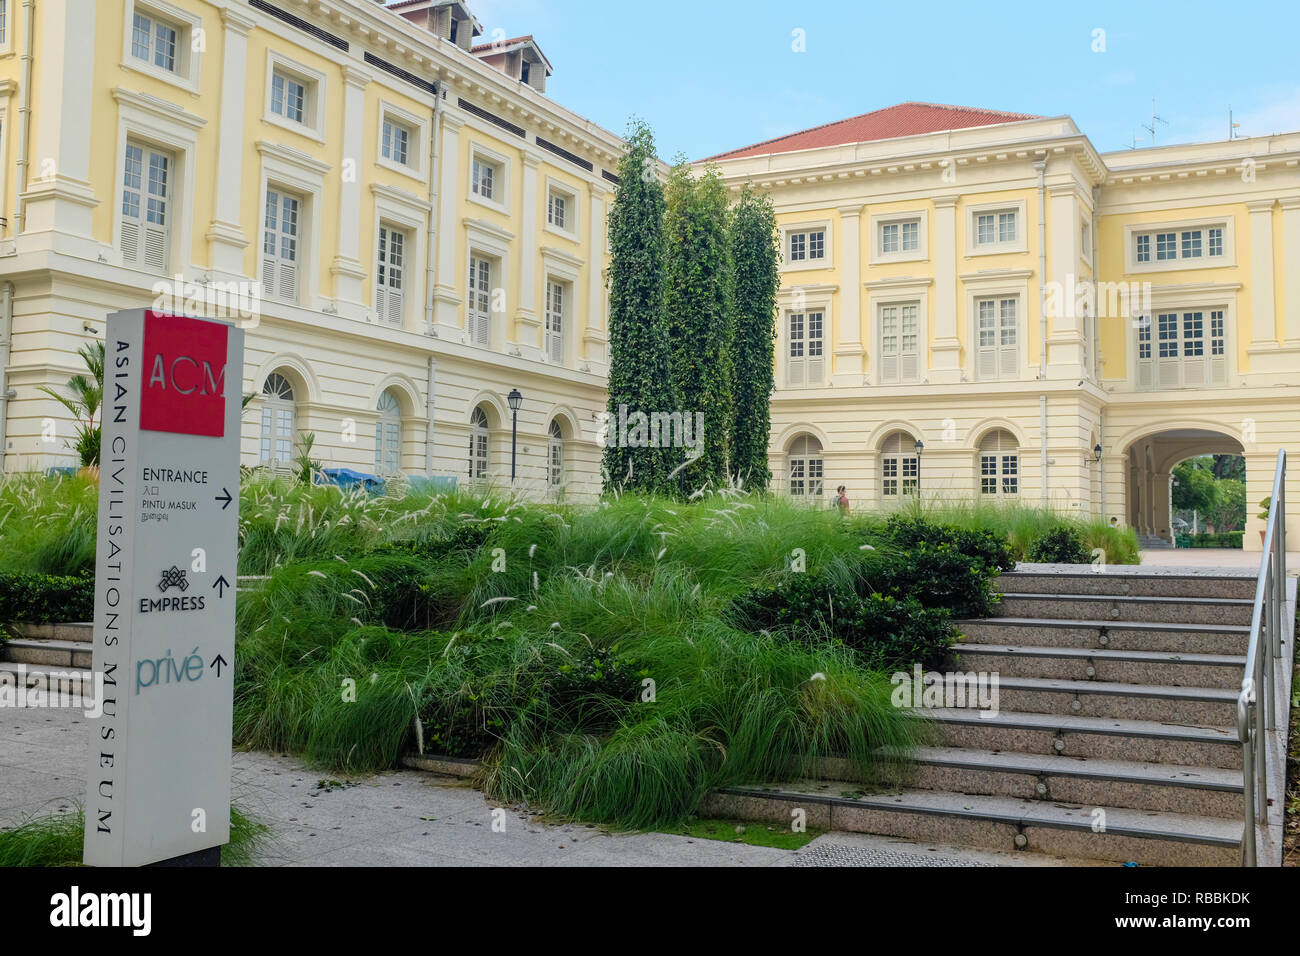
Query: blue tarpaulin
{"points": [[347, 478]]}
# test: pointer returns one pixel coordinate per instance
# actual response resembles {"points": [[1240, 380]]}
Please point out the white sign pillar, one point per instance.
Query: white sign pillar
{"points": [[158, 780]]}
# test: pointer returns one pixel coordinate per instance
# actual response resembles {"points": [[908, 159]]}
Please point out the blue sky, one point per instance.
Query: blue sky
{"points": [[712, 75]]}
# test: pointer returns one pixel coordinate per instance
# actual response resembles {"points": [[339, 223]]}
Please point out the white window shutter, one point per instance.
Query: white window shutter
{"points": [[1218, 369], [288, 280], [395, 306], [1167, 372], [1007, 361], [557, 346], [816, 370], [155, 248], [1194, 370], [1145, 379], [889, 367], [130, 241], [797, 371], [908, 366], [987, 362], [482, 333]]}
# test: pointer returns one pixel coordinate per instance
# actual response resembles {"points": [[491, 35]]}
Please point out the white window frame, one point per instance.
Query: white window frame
{"points": [[1085, 239], [998, 285], [559, 265], [407, 213], [800, 465], [186, 24], [555, 464], [1001, 353], [387, 299], [1157, 373], [1001, 475], [878, 305], [147, 234], [878, 222], [273, 406], [554, 188], [806, 265], [805, 370], [898, 472], [417, 141], [485, 240], [479, 466], [500, 177], [289, 170], [314, 96], [150, 121], [1178, 264], [555, 340], [7, 33], [997, 246], [382, 449]]}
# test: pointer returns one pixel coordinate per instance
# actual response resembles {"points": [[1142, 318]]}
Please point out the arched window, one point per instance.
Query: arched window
{"points": [[278, 426], [555, 458], [388, 435], [999, 464], [805, 467], [478, 444], [899, 469]]}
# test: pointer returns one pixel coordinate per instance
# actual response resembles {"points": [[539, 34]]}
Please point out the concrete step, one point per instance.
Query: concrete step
{"points": [[1129, 581], [1146, 741], [1212, 706], [1109, 607], [52, 652], [1091, 781], [63, 680], [82, 633], [1148, 837], [1116, 635], [1105, 665]]}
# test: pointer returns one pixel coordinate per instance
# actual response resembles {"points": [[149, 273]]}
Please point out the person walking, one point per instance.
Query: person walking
{"points": [[841, 500]]}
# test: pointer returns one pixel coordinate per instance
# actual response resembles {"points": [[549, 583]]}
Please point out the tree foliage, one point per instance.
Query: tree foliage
{"points": [[697, 290], [755, 257], [1195, 488], [639, 373], [84, 404]]}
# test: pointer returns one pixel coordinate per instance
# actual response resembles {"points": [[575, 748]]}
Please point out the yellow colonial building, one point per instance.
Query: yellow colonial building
{"points": [[406, 225], [974, 303], [980, 304]]}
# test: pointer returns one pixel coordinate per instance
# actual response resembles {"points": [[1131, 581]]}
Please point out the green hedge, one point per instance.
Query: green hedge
{"points": [[1226, 539], [46, 598]]}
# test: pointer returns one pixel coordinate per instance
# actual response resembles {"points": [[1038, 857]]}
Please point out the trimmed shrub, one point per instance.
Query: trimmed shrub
{"points": [[46, 598], [1224, 539], [988, 547], [1061, 545]]}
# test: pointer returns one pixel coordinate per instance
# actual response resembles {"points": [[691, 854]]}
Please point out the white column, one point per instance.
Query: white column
{"points": [[1291, 269], [226, 238], [1263, 330], [527, 330], [945, 364], [593, 337], [59, 196], [1064, 330], [347, 268], [848, 350], [445, 297]]}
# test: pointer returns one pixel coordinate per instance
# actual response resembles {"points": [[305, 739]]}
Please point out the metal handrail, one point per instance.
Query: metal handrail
{"points": [[1256, 717]]}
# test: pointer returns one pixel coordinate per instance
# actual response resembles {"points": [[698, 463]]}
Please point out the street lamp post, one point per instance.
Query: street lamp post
{"points": [[515, 400], [920, 447]]}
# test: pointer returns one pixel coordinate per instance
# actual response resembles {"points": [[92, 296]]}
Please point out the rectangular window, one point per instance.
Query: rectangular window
{"points": [[1143, 248], [390, 274], [288, 97], [899, 342], [911, 236], [1192, 244], [984, 229], [152, 40], [556, 208], [805, 363], [554, 344], [479, 320], [998, 336], [485, 175], [4, 20], [1006, 227], [280, 245], [396, 142], [1215, 241], [1166, 246], [897, 237], [807, 245], [146, 207], [889, 237], [1182, 357]]}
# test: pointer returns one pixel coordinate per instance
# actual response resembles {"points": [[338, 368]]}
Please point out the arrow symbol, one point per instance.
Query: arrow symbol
{"points": [[219, 663], [221, 584], [224, 496]]}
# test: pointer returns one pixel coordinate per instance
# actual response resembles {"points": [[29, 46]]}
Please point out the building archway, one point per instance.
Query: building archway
{"points": [[1149, 462]]}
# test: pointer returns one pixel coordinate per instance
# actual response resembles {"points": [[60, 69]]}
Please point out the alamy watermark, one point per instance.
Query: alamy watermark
{"points": [[239, 302], [656, 430], [927, 689], [53, 689]]}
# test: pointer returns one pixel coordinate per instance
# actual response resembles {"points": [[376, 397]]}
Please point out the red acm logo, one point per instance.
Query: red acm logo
{"points": [[184, 375]]}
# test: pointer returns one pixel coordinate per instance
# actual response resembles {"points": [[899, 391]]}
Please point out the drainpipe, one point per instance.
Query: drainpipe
{"points": [[1040, 167], [431, 242], [1042, 426], [428, 429], [1101, 440], [25, 115], [6, 338]]}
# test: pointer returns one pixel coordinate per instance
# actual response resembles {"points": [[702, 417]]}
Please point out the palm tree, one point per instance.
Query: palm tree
{"points": [[84, 405]]}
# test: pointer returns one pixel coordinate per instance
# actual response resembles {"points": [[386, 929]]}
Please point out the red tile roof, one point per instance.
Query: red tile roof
{"points": [[489, 47], [905, 119]]}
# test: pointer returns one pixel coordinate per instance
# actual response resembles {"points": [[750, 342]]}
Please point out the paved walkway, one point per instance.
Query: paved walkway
{"points": [[409, 818], [1213, 558]]}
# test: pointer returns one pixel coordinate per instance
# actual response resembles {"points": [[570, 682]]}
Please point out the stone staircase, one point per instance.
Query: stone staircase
{"points": [[1154, 542], [48, 656], [1115, 734]]}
